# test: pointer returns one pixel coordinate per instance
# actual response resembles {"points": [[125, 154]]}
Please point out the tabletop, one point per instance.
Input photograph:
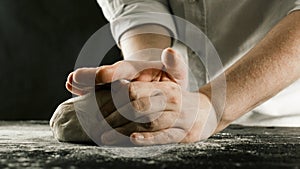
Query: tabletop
{"points": [[30, 144]]}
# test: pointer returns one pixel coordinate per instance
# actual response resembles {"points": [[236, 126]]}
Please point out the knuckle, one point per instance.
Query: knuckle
{"points": [[143, 105], [121, 64], [173, 86], [102, 72], [136, 105], [132, 93], [174, 100]]}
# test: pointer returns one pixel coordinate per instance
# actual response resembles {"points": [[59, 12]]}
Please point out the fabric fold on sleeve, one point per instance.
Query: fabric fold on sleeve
{"points": [[127, 14], [297, 6]]}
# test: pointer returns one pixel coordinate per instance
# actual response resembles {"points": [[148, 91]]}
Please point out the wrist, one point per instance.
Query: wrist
{"points": [[145, 42], [149, 54], [219, 110], [211, 122]]}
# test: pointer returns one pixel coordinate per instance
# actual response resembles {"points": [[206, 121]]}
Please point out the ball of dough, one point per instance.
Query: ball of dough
{"points": [[65, 125]]}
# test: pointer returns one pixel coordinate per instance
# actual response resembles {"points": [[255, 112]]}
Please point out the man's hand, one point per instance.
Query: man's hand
{"points": [[164, 113], [161, 110], [84, 80], [172, 69]]}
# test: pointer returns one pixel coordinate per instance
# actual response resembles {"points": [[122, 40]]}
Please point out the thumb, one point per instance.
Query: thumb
{"points": [[127, 70], [175, 66]]}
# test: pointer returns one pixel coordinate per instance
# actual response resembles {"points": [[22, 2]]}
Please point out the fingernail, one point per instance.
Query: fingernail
{"points": [[138, 136], [170, 50]]}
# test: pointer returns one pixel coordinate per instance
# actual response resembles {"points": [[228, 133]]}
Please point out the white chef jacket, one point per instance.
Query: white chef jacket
{"points": [[233, 27]]}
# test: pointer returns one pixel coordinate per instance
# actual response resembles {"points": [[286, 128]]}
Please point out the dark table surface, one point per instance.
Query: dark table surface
{"points": [[30, 145]]}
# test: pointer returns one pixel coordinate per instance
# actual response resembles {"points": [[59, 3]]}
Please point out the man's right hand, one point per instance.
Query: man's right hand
{"points": [[85, 80]]}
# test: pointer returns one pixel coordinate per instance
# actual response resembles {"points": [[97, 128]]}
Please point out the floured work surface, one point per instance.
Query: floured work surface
{"points": [[31, 145]]}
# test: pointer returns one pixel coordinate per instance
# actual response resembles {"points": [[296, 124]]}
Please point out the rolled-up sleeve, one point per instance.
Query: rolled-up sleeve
{"points": [[126, 14], [296, 6]]}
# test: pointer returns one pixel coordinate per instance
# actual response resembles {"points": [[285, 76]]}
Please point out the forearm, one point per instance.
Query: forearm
{"points": [[269, 67], [152, 21], [145, 42]]}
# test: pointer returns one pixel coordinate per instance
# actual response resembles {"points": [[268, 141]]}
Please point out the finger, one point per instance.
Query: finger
{"points": [[113, 120], [116, 119], [79, 82], [119, 93], [170, 90], [149, 75], [112, 97], [128, 113], [166, 136], [85, 89], [149, 97], [165, 120], [74, 90], [82, 87], [104, 95], [132, 110], [75, 87], [107, 108], [124, 70], [83, 77], [175, 66], [110, 111], [118, 98], [106, 92], [70, 78]]}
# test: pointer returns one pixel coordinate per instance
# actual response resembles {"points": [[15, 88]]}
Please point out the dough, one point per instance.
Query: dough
{"points": [[65, 125]]}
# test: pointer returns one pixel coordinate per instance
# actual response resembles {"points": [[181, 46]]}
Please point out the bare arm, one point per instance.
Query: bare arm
{"points": [[145, 42], [269, 67]]}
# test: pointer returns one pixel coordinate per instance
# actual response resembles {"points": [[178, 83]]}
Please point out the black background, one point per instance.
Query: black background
{"points": [[39, 43]]}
